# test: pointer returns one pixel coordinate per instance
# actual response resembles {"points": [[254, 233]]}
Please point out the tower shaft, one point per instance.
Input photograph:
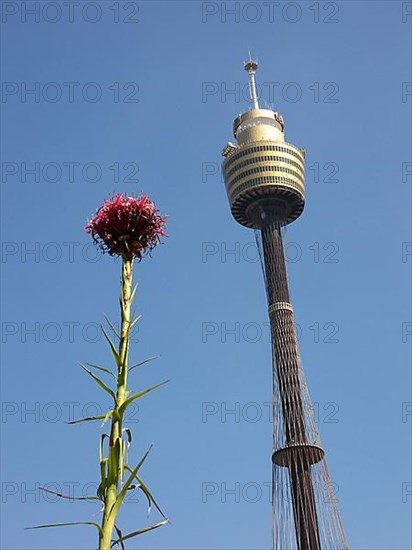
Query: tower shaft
{"points": [[296, 450]]}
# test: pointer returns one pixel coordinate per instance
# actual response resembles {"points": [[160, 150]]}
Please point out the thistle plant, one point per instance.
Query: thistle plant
{"points": [[129, 228]]}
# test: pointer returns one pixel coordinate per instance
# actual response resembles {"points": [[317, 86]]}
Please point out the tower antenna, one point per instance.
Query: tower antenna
{"points": [[251, 68]]}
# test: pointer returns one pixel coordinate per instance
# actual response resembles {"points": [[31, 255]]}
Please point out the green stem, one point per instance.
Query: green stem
{"points": [[116, 458]]}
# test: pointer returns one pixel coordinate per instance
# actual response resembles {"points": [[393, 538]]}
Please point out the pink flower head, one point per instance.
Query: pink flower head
{"points": [[127, 226]]}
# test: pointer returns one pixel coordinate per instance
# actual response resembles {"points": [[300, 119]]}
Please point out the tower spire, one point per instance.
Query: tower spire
{"points": [[251, 68]]}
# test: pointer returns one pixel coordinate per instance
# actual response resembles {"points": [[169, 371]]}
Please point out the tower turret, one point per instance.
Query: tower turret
{"points": [[264, 175]]}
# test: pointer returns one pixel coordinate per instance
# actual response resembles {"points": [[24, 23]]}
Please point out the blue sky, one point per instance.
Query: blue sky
{"points": [[138, 96]]}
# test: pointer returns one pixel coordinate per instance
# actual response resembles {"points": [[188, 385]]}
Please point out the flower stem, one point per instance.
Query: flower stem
{"points": [[116, 447]]}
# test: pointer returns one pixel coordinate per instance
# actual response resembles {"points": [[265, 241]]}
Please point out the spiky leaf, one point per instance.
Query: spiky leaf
{"points": [[124, 406], [122, 494], [140, 532], [103, 369], [133, 293], [100, 382], [112, 327], [88, 419], [112, 347], [68, 524], [147, 493], [67, 496], [137, 365]]}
